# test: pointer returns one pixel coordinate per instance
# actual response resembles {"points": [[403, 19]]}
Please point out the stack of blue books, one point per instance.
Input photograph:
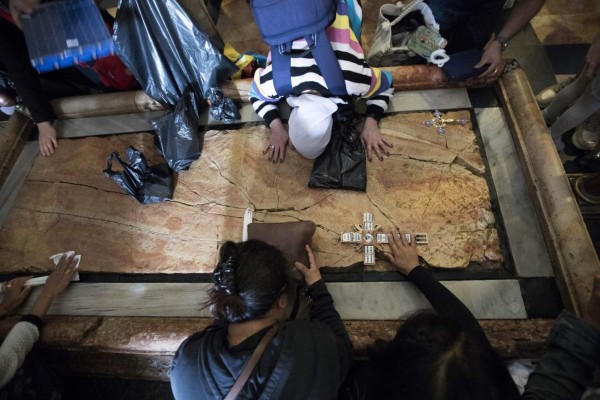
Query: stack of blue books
{"points": [[63, 33]]}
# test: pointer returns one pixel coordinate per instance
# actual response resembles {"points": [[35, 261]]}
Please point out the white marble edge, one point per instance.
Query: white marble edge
{"points": [[489, 299], [403, 101], [15, 179], [521, 224]]}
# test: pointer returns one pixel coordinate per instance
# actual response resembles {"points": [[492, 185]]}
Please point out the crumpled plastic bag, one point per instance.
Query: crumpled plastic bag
{"points": [[167, 51], [222, 108], [343, 164], [147, 184], [177, 133]]}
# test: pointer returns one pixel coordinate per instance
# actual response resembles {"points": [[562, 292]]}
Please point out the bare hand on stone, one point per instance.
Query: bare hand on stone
{"points": [[277, 142], [403, 254], [373, 141], [311, 273], [15, 292], [47, 138]]}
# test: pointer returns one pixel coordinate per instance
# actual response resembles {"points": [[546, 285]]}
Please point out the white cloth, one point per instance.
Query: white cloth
{"points": [[41, 280], [14, 349], [310, 123]]}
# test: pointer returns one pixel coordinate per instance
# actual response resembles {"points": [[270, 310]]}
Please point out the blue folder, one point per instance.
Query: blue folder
{"points": [[62, 33]]}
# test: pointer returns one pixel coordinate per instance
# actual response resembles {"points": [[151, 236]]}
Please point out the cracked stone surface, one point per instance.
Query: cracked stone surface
{"points": [[430, 183]]}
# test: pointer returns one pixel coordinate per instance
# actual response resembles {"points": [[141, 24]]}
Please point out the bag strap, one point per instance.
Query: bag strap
{"points": [[325, 58], [250, 364], [407, 9]]}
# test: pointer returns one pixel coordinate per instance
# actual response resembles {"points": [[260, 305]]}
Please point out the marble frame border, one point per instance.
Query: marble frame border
{"points": [[572, 253]]}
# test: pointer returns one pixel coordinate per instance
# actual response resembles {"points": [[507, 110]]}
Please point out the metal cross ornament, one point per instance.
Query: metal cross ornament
{"points": [[367, 237], [439, 122]]}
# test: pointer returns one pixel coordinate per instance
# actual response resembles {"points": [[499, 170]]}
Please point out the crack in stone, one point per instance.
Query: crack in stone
{"points": [[61, 214], [183, 203], [75, 184], [193, 191], [381, 211], [434, 193], [281, 210], [466, 165], [406, 157], [230, 181]]}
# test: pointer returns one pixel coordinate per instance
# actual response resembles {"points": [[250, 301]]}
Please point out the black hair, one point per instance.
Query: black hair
{"points": [[249, 278], [435, 358]]}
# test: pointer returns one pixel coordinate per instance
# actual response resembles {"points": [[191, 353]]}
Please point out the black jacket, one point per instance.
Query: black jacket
{"points": [[305, 359]]}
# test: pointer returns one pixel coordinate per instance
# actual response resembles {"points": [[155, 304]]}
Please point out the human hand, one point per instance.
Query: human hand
{"points": [[403, 254], [492, 55], [312, 273], [15, 292], [60, 278], [17, 7], [373, 141], [277, 142], [47, 138], [592, 59], [592, 310]]}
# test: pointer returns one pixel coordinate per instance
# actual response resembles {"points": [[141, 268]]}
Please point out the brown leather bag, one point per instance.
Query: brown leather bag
{"points": [[289, 237]]}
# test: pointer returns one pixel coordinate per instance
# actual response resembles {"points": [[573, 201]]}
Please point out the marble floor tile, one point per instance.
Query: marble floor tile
{"points": [[519, 218], [492, 299], [16, 178]]}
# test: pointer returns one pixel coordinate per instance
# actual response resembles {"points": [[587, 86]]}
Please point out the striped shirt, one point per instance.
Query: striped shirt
{"points": [[361, 80]]}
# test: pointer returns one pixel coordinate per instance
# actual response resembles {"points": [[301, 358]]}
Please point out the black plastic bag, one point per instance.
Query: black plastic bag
{"points": [[222, 108], [148, 184], [343, 164], [177, 133], [167, 51]]}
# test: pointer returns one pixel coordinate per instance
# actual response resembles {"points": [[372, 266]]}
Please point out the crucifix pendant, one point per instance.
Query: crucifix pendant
{"points": [[439, 122]]}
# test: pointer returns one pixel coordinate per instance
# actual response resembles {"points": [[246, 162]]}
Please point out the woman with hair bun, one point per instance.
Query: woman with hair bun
{"points": [[301, 359]]}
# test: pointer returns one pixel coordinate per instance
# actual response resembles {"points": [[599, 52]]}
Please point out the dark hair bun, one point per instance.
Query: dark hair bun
{"points": [[249, 279]]}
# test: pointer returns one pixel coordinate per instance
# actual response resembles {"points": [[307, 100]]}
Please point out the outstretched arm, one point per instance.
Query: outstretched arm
{"points": [[519, 16], [378, 98], [24, 334], [404, 256], [266, 108], [323, 310]]}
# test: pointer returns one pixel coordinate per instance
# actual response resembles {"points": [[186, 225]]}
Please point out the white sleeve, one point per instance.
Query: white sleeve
{"points": [[15, 348]]}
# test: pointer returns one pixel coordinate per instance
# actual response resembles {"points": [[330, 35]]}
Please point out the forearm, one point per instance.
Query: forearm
{"points": [[444, 302], [323, 310], [15, 348], [42, 304], [520, 16]]}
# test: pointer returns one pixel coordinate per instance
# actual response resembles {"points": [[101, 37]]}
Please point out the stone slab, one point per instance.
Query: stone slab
{"points": [[429, 183]]}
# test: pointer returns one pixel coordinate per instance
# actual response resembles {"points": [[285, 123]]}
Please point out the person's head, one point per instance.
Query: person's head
{"points": [[434, 358], [310, 123], [250, 279]]}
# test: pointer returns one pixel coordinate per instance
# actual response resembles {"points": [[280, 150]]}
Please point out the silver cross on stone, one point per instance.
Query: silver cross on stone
{"points": [[439, 122], [368, 237]]}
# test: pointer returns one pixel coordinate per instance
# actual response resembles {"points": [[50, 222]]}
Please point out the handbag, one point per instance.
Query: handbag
{"points": [[250, 365], [397, 24]]}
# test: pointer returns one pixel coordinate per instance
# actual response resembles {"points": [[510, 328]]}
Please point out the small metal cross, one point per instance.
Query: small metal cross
{"points": [[368, 237], [439, 122]]}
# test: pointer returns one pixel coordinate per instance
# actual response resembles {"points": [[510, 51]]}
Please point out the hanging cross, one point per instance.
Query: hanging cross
{"points": [[439, 122], [368, 237]]}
